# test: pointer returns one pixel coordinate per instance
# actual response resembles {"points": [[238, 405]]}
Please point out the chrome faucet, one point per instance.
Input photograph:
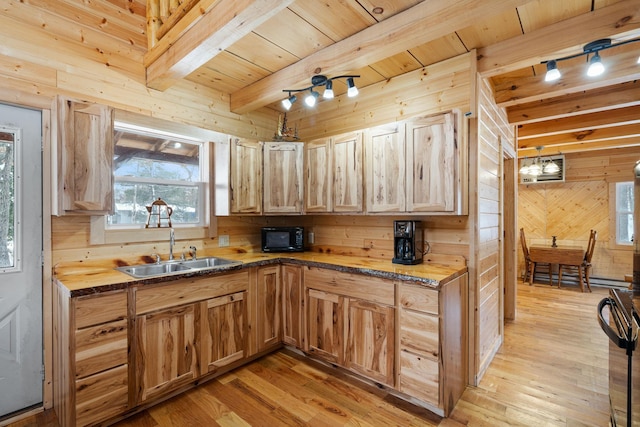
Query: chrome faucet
{"points": [[172, 241]]}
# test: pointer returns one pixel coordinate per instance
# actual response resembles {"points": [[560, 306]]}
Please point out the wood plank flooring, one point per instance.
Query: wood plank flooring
{"points": [[551, 371]]}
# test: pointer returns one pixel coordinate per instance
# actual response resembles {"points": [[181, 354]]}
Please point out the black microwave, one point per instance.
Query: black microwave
{"points": [[282, 239]]}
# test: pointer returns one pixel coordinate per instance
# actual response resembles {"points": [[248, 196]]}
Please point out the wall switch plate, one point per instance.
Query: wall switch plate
{"points": [[223, 240], [311, 238]]}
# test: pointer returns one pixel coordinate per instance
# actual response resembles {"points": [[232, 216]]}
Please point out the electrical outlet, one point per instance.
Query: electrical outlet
{"points": [[311, 238], [223, 240]]}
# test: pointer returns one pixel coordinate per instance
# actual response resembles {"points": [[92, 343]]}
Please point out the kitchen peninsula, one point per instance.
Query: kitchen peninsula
{"points": [[402, 327]]}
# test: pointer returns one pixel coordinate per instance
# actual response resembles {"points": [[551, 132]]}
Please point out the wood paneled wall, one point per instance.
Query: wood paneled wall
{"points": [[583, 202], [485, 160]]}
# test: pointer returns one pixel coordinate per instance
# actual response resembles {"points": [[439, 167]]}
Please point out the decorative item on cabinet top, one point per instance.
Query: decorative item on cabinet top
{"points": [[284, 133], [160, 211]]}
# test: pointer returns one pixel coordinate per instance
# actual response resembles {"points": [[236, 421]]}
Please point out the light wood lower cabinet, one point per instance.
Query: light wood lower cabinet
{"points": [[292, 306], [350, 321], [185, 329], [90, 357], [117, 350]]}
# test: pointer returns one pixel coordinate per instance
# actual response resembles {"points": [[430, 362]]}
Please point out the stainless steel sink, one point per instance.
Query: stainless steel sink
{"points": [[208, 262], [168, 268]]}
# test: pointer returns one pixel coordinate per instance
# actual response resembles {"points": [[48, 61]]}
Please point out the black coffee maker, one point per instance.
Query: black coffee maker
{"points": [[407, 242]]}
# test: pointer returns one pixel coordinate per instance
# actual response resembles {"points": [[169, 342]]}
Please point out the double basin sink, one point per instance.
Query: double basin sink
{"points": [[167, 268]]}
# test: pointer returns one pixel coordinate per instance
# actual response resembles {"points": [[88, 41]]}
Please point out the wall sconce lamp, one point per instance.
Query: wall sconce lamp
{"points": [[596, 67], [316, 81], [538, 165]]}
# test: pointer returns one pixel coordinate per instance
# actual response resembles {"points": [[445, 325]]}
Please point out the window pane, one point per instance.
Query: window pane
{"points": [[624, 196], [624, 213], [7, 200], [148, 166], [131, 200], [625, 228]]}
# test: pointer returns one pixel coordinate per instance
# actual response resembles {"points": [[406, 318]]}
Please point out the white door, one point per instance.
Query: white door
{"points": [[20, 259]]}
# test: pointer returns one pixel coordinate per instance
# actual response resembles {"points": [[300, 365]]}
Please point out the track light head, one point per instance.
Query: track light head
{"points": [[310, 100], [328, 90], [553, 73], [353, 90], [288, 102], [595, 66]]}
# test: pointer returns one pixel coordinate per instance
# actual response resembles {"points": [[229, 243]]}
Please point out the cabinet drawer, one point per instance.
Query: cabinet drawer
{"points": [[102, 308], [101, 347], [101, 396], [360, 286], [419, 298], [419, 377], [183, 291], [419, 333]]}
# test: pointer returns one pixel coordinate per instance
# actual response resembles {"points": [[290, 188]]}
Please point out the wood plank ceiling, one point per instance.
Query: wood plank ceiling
{"points": [[254, 49]]}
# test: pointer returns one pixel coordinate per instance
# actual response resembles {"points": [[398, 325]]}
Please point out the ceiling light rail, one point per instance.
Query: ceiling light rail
{"points": [[596, 67], [316, 81]]}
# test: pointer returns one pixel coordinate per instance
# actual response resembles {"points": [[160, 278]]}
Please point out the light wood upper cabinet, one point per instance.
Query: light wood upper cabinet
{"points": [[283, 184], [431, 164], [334, 174], [246, 176], [347, 173], [85, 145], [318, 179], [412, 167], [385, 168]]}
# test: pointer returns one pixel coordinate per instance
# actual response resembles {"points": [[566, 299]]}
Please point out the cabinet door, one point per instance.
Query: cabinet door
{"points": [[224, 330], [347, 172], [326, 325], [166, 351], [318, 179], [431, 170], [85, 140], [269, 308], [283, 177], [292, 305], [385, 166], [371, 343], [246, 176]]}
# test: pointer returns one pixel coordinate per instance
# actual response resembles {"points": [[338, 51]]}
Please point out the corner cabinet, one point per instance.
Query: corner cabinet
{"points": [[85, 157], [413, 167]]}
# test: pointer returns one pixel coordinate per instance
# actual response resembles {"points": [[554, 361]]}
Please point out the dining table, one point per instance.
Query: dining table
{"points": [[561, 254]]}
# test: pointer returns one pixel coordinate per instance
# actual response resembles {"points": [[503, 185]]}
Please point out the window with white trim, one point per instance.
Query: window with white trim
{"points": [[149, 164], [624, 213]]}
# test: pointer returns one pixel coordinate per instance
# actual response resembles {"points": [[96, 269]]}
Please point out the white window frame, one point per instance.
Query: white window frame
{"points": [[620, 212]]}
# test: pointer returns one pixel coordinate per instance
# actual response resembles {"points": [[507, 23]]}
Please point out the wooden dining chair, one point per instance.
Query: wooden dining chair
{"points": [[529, 265], [584, 269]]}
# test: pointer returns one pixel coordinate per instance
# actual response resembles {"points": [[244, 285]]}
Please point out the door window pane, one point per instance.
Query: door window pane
{"points": [[7, 198]]}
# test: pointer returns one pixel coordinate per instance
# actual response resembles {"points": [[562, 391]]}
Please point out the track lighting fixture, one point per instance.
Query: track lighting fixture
{"points": [[596, 67], [312, 97]]}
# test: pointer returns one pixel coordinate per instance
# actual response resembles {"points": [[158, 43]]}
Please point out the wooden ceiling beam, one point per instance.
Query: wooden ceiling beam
{"points": [[413, 27], [559, 39], [216, 29], [617, 96], [580, 147], [631, 131], [621, 68], [583, 122]]}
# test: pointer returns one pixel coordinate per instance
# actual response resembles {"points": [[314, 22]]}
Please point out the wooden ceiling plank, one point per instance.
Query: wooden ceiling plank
{"points": [[564, 37], [420, 24], [221, 26], [621, 68], [601, 119], [618, 96]]}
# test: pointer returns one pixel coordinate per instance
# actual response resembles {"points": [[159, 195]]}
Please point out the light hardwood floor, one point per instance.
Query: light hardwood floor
{"points": [[551, 371]]}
